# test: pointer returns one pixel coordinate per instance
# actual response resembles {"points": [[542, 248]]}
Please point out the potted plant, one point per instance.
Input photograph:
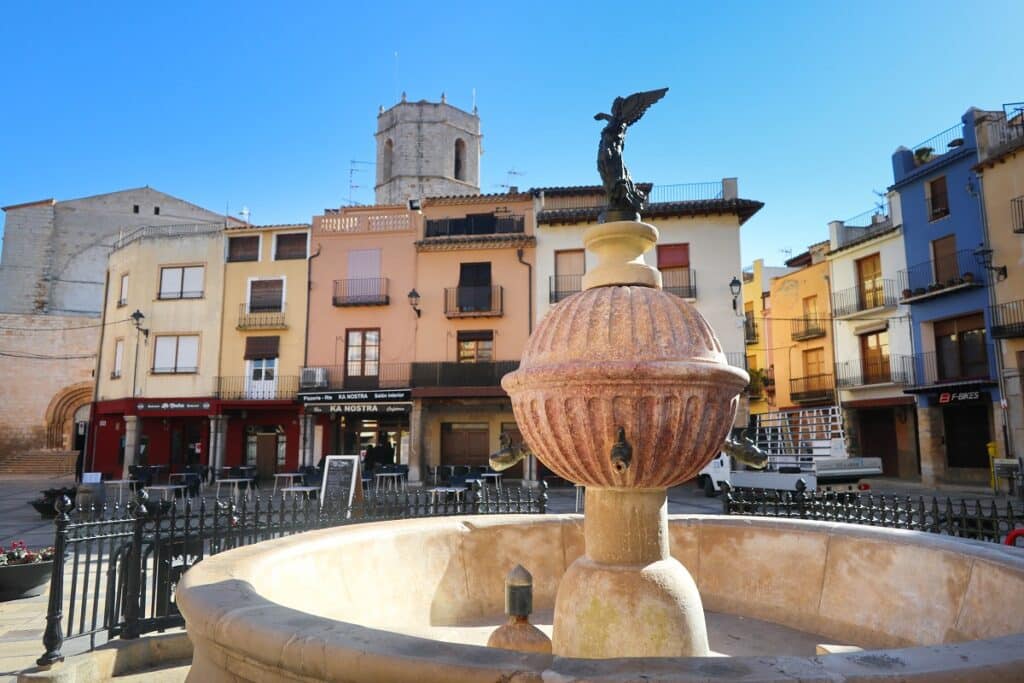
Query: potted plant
{"points": [[23, 572], [907, 293], [968, 277], [923, 155]]}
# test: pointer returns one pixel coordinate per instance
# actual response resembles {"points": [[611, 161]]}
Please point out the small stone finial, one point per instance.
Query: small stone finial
{"points": [[381, 109], [518, 633], [444, 100], [403, 96]]}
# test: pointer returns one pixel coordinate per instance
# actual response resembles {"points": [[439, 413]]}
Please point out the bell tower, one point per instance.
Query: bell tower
{"points": [[426, 149]]}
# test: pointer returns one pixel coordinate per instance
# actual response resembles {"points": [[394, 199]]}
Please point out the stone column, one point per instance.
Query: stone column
{"points": [[215, 443], [416, 464], [931, 433], [307, 433], [132, 430]]}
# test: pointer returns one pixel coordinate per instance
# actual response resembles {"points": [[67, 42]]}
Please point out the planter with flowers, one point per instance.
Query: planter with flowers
{"points": [[23, 572]]}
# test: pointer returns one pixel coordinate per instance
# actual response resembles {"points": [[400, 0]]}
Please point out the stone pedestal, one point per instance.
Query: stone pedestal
{"points": [[626, 596]]}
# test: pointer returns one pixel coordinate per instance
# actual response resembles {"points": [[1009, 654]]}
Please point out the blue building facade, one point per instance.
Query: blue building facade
{"points": [[945, 287]]}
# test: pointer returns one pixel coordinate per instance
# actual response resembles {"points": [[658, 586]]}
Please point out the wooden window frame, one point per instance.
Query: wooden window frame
{"points": [[362, 353]]}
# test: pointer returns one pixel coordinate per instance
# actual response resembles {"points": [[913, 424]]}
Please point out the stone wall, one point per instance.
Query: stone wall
{"points": [[31, 384]]}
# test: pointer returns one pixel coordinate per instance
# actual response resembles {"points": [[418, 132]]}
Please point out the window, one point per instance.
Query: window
{"points": [[156, 210], [122, 300], [118, 358], [474, 292], [386, 161], [674, 264], [570, 265], [362, 353], [291, 246], [814, 362], [961, 348], [810, 307], [135, 208], [183, 282], [869, 281], [476, 347], [244, 248], [944, 257], [874, 357], [266, 296], [460, 159], [176, 354], [938, 199]]}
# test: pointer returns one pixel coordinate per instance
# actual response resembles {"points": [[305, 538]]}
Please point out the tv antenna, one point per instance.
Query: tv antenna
{"points": [[788, 253], [509, 175], [244, 213], [353, 168]]}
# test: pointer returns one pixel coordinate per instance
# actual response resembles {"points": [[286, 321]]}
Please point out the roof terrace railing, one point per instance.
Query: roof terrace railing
{"points": [[939, 144], [659, 194], [175, 230]]}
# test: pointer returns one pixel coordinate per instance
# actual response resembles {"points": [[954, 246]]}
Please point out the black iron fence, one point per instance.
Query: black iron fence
{"points": [[870, 294], [115, 568], [945, 272], [975, 519], [1008, 319], [369, 291], [562, 286]]}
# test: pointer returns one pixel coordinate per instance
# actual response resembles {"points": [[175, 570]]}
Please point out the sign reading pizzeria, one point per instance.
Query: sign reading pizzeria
{"points": [[370, 396]]}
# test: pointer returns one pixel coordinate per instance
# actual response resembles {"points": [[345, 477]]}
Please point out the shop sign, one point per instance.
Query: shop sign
{"points": [[173, 405], [369, 396], [357, 408], [947, 397]]}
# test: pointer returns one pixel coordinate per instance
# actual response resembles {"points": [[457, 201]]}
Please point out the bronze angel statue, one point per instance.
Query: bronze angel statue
{"points": [[624, 200]]}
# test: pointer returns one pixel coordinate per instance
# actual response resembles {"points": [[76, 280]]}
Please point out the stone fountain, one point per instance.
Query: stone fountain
{"points": [[625, 389]]}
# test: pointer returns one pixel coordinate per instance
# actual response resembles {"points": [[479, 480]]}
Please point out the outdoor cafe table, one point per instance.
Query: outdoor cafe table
{"points": [[164, 489], [290, 476], [387, 480], [446, 490], [495, 476], [234, 482], [121, 485], [304, 490]]}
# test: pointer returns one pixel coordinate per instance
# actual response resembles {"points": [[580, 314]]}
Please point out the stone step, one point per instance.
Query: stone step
{"points": [[39, 462]]}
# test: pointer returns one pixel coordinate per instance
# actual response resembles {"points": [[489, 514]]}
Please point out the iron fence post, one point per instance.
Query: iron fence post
{"points": [[133, 569], [53, 636]]}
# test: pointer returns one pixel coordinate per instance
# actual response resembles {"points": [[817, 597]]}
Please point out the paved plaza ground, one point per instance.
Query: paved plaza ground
{"points": [[22, 621]]}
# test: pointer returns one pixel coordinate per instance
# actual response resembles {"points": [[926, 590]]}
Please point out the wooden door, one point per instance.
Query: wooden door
{"points": [[878, 439], [869, 281], [266, 455], [464, 443]]}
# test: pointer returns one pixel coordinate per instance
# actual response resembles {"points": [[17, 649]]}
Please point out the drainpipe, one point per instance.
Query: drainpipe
{"points": [[96, 384], [998, 345], [306, 454], [529, 289]]}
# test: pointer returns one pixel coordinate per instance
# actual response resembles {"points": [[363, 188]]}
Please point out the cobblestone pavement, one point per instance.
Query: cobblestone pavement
{"points": [[22, 621]]}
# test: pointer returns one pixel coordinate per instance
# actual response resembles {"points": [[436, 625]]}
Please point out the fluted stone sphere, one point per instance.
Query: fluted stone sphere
{"points": [[631, 357]]}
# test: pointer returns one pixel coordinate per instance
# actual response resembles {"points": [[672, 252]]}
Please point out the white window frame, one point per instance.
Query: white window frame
{"points": [[160, 282], [122, 299], [273, 251], [248, 291], [177, 370], [118, 359], [259, 250]]}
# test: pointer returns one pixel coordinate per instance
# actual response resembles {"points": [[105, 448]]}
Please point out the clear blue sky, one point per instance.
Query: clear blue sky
{"points": [[265, 105]]}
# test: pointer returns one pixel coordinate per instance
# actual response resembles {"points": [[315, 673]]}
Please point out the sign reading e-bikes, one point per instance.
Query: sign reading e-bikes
{"points": [[173, 405], [359, 408], [369, 396], [947, 397]]}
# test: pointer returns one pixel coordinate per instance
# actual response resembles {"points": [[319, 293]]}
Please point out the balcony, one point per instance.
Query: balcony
{"points": [[960, 363], [563, 286], [258, 318], [750, 330], [282, 388], [680, 281], [812, 388], [335, 377], [807, 328], [872, 294], [1017, 214], [473, 302], [361, 292], [940, 277], [1008, 319], [461, 374], [406, 375], [483, 224], [897, 369]]}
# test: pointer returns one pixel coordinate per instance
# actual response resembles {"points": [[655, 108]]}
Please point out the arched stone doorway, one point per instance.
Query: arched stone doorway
{"points": [[60, 415]]}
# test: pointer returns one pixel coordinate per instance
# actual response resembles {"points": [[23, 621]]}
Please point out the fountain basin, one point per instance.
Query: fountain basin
{"points": [[330, 604]]}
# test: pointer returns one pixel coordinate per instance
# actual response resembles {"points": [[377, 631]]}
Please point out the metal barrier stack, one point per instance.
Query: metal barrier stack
{"points": [[115, 568]]}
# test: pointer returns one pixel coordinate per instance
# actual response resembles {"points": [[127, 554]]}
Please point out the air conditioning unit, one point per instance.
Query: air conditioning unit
{"points": [[313, 378]]}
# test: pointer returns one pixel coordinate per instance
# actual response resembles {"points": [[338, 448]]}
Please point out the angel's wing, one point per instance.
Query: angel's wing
{"points": [[630, 109]]}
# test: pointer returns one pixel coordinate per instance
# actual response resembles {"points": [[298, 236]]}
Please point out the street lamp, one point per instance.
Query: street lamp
{"points": [[984, 258], [414, 301], [735, 287], [137, 317]]}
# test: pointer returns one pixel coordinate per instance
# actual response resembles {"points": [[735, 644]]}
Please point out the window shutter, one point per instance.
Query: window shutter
{"points": [[673, 256], [483, 335], [164, 354], [291, 246], [265, 295], [257, 348], [244, 248], [170, 283], [192, 282], [188, 354]]}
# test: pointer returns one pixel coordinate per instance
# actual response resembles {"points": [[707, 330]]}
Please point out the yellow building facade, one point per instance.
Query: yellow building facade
{"points": [[801, 332]]}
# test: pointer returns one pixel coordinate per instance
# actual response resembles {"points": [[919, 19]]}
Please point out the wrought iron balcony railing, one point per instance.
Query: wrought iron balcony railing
{"points": [[896, 369], [404, 375], [473, 302], [812, 388], [485, 374], [485, 224], [1017, 214], [361, 292], [280, 388], [871, 294], [682, 282], [1008, 319], [941, 276], [261, 317], [562, 286], [960, 363], [807, 328]]}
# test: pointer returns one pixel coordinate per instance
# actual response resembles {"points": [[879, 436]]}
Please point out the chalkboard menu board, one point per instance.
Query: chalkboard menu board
{"points": [[338, 487]]}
